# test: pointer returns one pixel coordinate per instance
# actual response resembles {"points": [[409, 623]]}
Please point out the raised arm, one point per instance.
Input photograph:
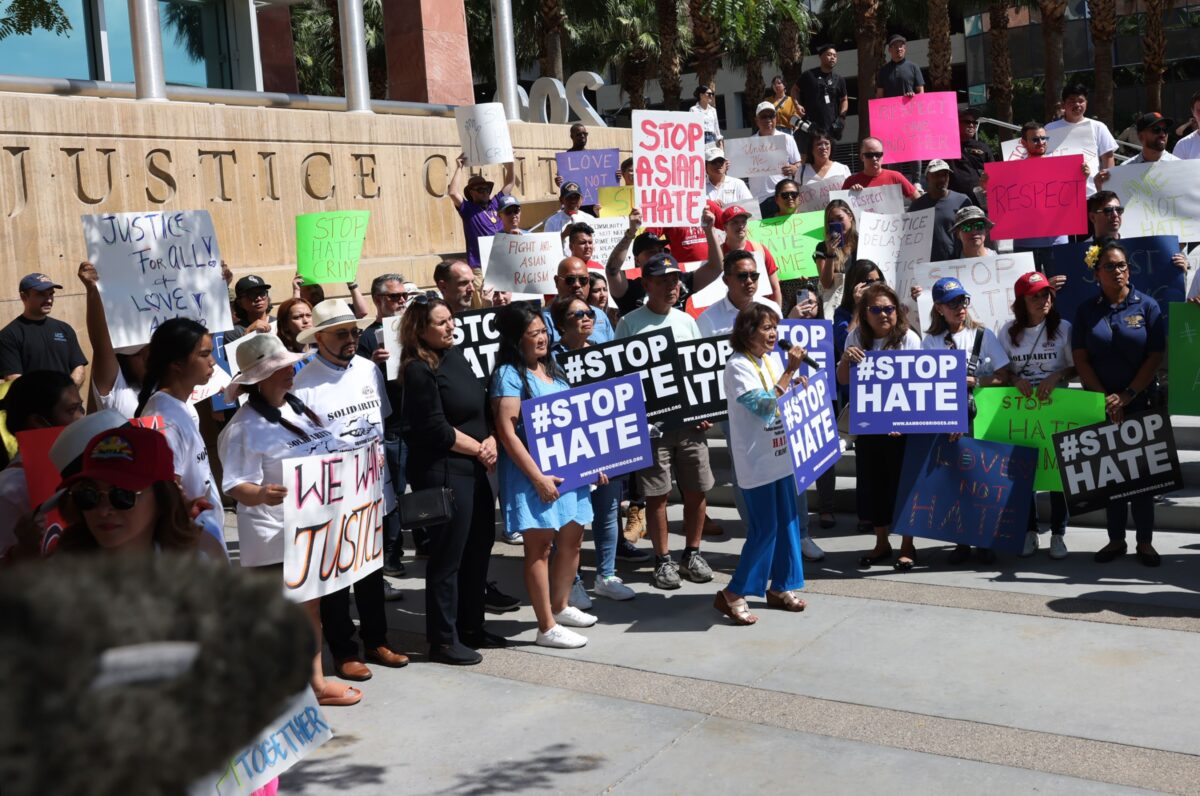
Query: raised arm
{"points": [[455, 188], [510, 179], [617, 283], [711, 270], [104, 358]]}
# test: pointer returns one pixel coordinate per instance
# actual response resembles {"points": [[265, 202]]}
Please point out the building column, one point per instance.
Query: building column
{"points": [[354, 56], [428, 58], [277, 52], [146, 38]]}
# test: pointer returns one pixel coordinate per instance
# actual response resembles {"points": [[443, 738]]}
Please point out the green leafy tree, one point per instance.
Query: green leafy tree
{"points": [[22, 17]]}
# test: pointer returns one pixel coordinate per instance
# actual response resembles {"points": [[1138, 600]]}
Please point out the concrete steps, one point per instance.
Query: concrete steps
{"points": [[1178, 511]]}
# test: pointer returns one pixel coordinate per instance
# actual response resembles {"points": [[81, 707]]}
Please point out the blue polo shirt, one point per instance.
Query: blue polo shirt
{"points": [[1118, 338], [602, 331]]}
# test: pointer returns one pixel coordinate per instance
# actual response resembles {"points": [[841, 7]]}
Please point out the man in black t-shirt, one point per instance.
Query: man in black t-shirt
{"points": [[823, 97], [966, 171], [34, 340], [899, 77]]}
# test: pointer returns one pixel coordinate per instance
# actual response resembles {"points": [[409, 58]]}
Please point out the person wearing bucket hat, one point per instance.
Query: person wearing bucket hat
{"points": [[945, 204], [116, 375], [476, 205], [271, 426], [346, 393], [35, 341], [971, 226], [1038, 343], [570, 211]]}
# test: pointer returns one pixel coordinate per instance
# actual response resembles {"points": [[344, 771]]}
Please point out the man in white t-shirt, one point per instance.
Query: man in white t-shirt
{"points": [[1188, 147], [347, 394], [570, 199], [763, 188], [1074, 101], [720, 187]]}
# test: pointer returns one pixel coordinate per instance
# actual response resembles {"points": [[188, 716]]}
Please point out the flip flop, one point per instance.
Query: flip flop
{"points": [[328, 696]]}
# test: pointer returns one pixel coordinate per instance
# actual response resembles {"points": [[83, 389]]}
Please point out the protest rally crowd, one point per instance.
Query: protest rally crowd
{"points": [[434, 395]]}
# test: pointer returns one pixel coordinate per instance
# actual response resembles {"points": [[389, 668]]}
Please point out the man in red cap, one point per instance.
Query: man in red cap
{"points": [[734, 221]]}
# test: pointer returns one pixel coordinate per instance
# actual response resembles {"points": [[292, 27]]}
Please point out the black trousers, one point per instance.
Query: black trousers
{"points": [[337, 625], [459, 551], [878, 461]]}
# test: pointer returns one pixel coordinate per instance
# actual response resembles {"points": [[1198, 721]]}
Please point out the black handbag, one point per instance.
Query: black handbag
{"points": [[425, 507]]}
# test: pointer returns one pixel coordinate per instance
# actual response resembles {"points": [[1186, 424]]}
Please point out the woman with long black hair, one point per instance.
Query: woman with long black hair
{"points": [[179, 361]]}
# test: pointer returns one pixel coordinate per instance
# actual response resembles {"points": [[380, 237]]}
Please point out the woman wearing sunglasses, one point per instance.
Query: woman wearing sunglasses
{"points": [[575, 321], [706, 107], [1118, 341], [836, 252], [951, 328], [880, 324]]}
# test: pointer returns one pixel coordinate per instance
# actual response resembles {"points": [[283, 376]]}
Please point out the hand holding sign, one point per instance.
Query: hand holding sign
{"points": [[1037, 197], [329, 245], [668, 163], [911, 392]]}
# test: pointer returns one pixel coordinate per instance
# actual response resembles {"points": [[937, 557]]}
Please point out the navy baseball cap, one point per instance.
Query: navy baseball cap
{"points": [[37, 282], [661, 265], [506, 203], [947, 289], [569, 189]]}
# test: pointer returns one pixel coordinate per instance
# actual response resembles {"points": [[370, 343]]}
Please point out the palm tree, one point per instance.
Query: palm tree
{"points": [[551, 18], [751, 32], [669, 57], [1054, 15], [1103, 23], [792, 42], [1001, 84], [635, 51], [940, 75], [318, 48], [1154, 51], [706, 41]]}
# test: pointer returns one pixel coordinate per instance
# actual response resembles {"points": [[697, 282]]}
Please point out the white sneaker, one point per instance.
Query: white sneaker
{"points": [[1031, 544], [561, 638], [514, 538], [579, 597], [1058, 546], [810, 550], [573, 617], [612, 588]]}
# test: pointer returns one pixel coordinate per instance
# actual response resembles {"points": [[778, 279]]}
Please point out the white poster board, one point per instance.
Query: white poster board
{"points": [[816, 194], [608, 233], [1160, 198], [524, 263], [154, 266], [391, 343], [756, 155], [668, 167], [485, 254], [900, 244], [483, 132], [989, 280], [876, 199]]}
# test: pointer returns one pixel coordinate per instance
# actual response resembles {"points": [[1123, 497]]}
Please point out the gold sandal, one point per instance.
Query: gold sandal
{"points": [[737, 610], [786, 600]]}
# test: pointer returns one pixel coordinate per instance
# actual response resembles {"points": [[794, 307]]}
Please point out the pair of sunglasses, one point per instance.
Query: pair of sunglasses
{"points": [[574, 280], [744, 276], [581, 314], [887, 309], [89, 497]]}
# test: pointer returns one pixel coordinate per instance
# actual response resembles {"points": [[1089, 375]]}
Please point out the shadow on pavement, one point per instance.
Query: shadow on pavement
{"points": [[329, 774], [542, 770]]}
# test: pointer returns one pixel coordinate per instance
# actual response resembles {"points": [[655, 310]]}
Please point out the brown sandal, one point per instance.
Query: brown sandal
{"points": [[329, 696], [786, 600], [737, 610]]}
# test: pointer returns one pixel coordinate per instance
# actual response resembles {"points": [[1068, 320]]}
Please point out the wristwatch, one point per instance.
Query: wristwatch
{"points": [[352, 285]]}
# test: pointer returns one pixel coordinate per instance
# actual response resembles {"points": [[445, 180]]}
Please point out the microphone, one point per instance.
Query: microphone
{"points": [[807, 359]]}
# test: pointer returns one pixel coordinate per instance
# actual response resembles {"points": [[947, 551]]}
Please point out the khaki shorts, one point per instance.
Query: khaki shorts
{"points": [[687, 450]]}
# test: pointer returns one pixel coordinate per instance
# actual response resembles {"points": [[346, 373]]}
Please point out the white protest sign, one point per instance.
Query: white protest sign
{"points": [[607, 234], [391, 342], [154, 266], [483, 132], [898, 243], [815, 195], [485, 254], [716, 290], [218, 381], [283, 743], [876, 199], [523, 263], [1075, 140], [668, 166], [332, 520], [989, 280], [756, 155], [1161, 198]]}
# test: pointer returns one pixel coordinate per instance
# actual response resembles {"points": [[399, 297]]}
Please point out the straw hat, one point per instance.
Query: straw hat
{"points": [[330, 314], [257, 359]]}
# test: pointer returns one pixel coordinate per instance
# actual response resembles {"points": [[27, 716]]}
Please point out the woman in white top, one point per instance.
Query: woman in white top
{"points": [[180, 359], [116, 376], [819, 163], [951, 327], [881, 324], [1038, 343], [271, 426], [706, 99], [753, 381]]}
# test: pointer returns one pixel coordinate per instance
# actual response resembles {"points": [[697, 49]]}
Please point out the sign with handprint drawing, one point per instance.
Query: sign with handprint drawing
{"points": [[483, 132]]}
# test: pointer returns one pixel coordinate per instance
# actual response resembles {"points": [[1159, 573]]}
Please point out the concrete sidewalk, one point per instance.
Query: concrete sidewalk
{"points": [[1026, 676]]}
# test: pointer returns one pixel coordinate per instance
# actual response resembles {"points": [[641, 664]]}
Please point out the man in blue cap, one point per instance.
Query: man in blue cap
{"points": [[34, 340]]}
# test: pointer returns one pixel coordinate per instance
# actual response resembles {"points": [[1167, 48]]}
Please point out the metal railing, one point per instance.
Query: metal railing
{"points": [[1119, 156]]}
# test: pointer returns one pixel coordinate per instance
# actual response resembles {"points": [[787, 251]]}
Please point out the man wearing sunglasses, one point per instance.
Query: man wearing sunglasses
{"points": [[1105, 214], [1152, 131], [965, 171], [572, 281], [873, 173], [476, 205]]}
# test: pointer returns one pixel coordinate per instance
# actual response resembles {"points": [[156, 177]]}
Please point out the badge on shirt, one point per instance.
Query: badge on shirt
{"points": [[1135, 321]]}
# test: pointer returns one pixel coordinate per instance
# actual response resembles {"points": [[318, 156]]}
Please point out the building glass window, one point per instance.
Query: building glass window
{"points": [[195, 42], [44, 54]]}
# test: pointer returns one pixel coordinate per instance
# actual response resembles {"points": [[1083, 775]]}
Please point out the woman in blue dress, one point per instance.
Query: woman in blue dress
{"points": [[530, 499]]}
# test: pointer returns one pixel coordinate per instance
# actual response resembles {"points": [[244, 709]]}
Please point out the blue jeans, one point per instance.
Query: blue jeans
{"points": [[605, 527], [772, 548]]}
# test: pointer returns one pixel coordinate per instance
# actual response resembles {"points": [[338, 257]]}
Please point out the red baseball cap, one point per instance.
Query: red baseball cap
{"points": [[1031, 283], [732, 212], [127, 457]]}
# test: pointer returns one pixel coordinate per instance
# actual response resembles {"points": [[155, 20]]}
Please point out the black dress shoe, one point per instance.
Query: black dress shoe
{"points": [[1110, 552], [454, 655], [496, 601], [483, 639], [1150, 559], [394, 568]]}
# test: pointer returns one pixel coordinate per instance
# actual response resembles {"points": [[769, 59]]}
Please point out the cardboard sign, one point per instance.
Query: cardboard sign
{"points": [[791, 241], [391, 341], [756, 155], [920, 127], [1160, 198], [876, 199], [329, 245], [1150, 269], [483, 133], [650, 355], [1004, 415], [811, 429], [155, 266], [524, 263], [616, 201], [218, 400], [1183, 359], [1070, 140], [607, 233], [588, 430], [966, 492], [332, 520], [702, 366], [816, 337], [990, 280], [1118, 461], [668, 167], [283, 743], [901, 245], [1036, 198], [593, 169], [913, 392], [815, 195], [476, 336]]}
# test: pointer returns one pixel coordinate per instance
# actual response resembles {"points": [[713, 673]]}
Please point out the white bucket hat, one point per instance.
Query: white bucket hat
{"points": [[74, 438], [330, 314], [257, 359]]}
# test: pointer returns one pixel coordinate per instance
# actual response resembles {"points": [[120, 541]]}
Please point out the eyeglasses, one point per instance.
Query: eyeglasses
{"points": [[89, 497], [349, 333], [578, 315], [959, 303], [886, 309], [1114, 267], [1159, 129], [747, 276], [791, 196], [766, 117], [709, 94], [574, 280], [1115, 210], [392, 296], [1039, 139], [718, 162], [970, 122], [974, 226], [872, 155]]}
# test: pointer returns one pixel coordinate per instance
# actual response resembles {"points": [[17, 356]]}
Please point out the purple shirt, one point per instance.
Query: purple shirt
{"points": [[479, 221]]}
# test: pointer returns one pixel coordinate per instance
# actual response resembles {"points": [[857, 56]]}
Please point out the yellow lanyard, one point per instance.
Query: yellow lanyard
{"points": [[769, 388]]}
